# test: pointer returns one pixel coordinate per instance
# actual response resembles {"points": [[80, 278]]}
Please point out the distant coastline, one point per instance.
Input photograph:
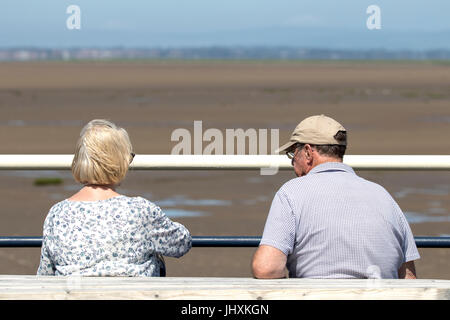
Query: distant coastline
{"points": [[215, 53]]}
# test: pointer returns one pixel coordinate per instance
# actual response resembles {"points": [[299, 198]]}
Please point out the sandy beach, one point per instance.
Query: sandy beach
{"points": [[387, 107]]}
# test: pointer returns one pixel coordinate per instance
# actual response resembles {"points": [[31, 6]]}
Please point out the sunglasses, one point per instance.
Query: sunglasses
{"points": [[290, 154]]}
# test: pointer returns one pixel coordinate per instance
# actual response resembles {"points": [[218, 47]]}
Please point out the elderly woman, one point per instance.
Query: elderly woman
{"points": [[98, 232]]}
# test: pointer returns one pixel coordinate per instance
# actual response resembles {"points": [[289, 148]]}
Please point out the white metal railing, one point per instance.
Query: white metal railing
{"points": [[228, 162]]}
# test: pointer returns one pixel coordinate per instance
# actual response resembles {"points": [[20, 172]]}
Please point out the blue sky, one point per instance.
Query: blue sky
{"points": [[409, 24]]}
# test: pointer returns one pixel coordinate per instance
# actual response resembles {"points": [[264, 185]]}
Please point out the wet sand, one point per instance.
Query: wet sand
{"points": [[388, 108]]}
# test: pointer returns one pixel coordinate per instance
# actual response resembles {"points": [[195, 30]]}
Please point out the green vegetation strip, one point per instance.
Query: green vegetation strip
{"points": [[47, 181]]}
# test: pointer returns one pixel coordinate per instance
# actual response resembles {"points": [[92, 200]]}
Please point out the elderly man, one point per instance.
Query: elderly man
{"points": [[328, 222]]}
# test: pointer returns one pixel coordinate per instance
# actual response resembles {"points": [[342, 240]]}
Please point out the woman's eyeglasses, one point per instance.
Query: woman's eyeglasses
{"points": [[132, 157]]}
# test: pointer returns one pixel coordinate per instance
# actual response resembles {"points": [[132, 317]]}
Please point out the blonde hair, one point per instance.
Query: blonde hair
{"points": [[102, 155]]}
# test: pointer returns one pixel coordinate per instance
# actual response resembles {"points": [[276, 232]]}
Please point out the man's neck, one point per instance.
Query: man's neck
{"points": [[322, 160]]}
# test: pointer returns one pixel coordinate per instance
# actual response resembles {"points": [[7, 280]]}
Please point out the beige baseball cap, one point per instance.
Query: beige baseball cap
{"points": [[317, 130]]}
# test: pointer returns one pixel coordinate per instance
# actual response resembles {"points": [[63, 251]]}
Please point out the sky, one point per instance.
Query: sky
{"points": [[411, 24]]}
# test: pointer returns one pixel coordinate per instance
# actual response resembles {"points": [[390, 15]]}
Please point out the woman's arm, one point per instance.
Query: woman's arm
{"points": [[46, 266], [169, 238]]}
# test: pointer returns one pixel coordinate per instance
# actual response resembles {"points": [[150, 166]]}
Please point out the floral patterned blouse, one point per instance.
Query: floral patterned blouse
{"points": [[119, 236]]}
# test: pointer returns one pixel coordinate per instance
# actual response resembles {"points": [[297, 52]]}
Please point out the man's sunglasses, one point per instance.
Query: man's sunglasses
{"points": [[290, 154]]}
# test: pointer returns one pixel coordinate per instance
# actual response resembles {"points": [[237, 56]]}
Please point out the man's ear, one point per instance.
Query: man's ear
{"points": [[308, 152]]}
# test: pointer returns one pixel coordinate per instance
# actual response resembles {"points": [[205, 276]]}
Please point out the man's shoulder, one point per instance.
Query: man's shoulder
{"points": [[296, 185], [373, 185], [306, 182], [294, 182], [374, 190]]}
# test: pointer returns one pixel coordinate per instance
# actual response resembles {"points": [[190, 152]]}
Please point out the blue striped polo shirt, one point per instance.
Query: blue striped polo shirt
{"points": [[332, 223]]}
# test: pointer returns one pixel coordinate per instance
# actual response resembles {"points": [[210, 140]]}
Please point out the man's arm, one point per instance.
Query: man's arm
{"points": [[269, 263], [407, 271]]}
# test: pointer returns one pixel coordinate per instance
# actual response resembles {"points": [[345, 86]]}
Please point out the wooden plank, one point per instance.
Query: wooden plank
{"points": [[74, 287], [174, 281]]}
